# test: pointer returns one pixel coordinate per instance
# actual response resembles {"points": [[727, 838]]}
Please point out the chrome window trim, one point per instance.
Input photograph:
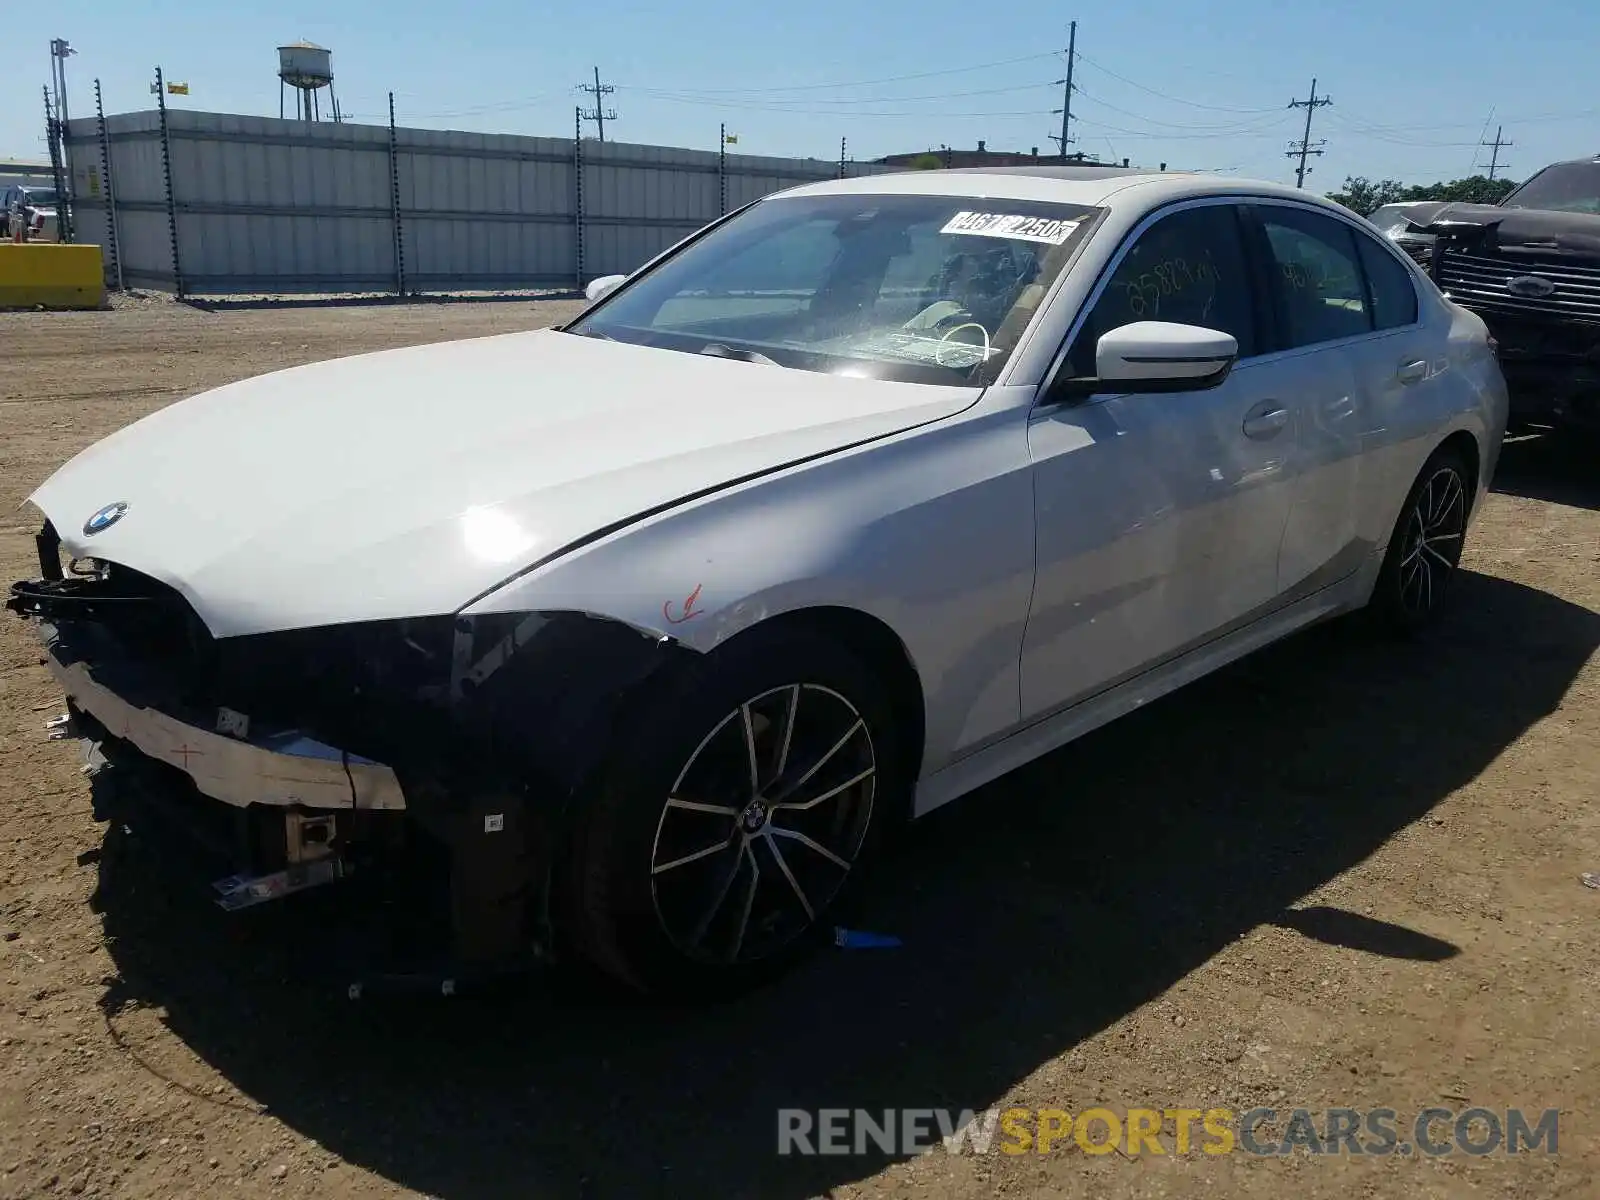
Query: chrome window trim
{"points": [[1237, 199]]}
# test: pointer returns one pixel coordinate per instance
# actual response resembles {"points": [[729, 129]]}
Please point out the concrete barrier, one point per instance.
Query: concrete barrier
{"points": [[52, 275]]}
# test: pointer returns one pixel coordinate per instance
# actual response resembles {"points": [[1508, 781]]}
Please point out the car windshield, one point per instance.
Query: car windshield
{"points": [[39, 196], [1565, 187], [933, 289]]}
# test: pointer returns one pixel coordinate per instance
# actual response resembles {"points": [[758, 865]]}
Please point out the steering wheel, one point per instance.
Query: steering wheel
{"points": [[938, 351]]}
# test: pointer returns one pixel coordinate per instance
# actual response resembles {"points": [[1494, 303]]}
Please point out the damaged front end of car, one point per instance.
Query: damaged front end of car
{"points": [[426, 765], [1534, 278]]}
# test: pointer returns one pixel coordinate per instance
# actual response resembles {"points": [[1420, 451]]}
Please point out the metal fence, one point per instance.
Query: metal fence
{"points": [[200, 203]]}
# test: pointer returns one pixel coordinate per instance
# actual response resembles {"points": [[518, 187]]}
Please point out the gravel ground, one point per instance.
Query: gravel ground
{"points": [[1338, 874]]}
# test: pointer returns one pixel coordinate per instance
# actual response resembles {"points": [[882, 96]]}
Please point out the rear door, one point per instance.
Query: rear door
{"points": [[1348, 335]]}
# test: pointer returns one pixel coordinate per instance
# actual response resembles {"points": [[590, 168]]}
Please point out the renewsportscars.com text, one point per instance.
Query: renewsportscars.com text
{"points": [[1431, 1132]]}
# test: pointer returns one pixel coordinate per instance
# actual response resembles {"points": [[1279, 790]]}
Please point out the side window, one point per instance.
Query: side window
{"points": [[1321, 288], [1394, 293], [1189, 268]]}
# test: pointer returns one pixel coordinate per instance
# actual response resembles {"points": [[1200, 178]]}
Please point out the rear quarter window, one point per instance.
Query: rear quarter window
{"points": [[1394, 291]]}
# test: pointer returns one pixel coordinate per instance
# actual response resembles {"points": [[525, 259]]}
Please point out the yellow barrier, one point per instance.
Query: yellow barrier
{"points": [[52, 275]]}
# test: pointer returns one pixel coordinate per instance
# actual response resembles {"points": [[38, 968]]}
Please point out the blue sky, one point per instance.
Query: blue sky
{"points": [[1414, 86]]}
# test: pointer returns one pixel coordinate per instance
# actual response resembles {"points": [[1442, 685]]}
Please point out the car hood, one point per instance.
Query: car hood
{"points": [[1528, 231], [409, 482]]}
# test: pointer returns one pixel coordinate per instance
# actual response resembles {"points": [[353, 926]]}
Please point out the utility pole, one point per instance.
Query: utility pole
{"points": [[59, 51], [1066, 97], [841, 157], [1498, 143], [1305, 145], [600, 114], [52, 133], [722, 170]]}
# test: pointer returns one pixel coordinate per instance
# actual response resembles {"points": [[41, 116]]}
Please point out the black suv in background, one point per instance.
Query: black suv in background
{"points": [[1530, 267]]}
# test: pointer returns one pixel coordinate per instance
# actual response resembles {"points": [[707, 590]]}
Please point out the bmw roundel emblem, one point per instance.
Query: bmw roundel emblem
{"points": [[104, 519]]}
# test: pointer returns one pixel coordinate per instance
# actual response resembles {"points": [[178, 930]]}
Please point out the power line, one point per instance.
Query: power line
{"points": [[1380, 133], [1473, 165], [1305, 146], [1363, 125], [1105, 70], [809, 87], [1499, 141], [600, 114], [697, 96], [1265, 129], [750, 106], [1236, 125]]}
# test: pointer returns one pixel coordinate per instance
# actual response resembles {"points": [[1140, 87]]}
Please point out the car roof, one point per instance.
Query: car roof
{"points": [[1589, 161], [1091, 186]]}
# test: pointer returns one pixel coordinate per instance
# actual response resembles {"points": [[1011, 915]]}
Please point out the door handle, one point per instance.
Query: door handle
{"points": [[1266, 420], [1412, 372]]}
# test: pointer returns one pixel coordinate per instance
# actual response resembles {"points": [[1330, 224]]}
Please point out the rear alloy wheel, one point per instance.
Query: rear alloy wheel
{"points": [[738, 808], [1426, 547]]}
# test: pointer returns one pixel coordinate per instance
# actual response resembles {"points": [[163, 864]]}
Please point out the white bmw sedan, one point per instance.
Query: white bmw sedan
{"points": [[633, 639]]}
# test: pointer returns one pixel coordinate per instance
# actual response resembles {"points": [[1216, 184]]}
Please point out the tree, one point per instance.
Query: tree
{"points": [[1364, 196], [926, 162], [1479, 189]]}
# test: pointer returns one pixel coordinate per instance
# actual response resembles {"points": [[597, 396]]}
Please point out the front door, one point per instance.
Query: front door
{"points": [[1158, 517]]}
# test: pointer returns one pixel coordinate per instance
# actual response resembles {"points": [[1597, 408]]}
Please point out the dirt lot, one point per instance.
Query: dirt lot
{"points": [[1341, 873]]}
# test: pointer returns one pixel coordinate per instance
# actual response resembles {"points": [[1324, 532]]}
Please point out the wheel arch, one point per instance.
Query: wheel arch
{"points": [[878, 646], [1463, 442]]}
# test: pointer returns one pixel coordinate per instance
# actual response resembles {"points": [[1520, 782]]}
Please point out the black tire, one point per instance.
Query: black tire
{"points": [[1425, 548], [676, 899]]}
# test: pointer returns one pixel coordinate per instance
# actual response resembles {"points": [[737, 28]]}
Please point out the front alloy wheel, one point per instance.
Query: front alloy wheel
{"points": [[763, 824], [736, 810]]}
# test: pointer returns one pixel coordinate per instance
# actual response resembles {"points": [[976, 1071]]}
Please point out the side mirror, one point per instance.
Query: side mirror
{"points": [[1160, 356], [599, 289]]}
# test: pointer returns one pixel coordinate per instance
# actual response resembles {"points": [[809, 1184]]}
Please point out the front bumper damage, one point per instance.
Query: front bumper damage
{"points": [[1551, 368], [428, 768], [285, 769], [1534, 278]]}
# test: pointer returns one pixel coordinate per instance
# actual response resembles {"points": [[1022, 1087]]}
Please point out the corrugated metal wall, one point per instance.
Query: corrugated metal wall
{"points": [[266, 205]]}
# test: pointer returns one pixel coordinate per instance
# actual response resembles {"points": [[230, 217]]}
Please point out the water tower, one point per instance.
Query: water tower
{"points": [[308, 69]]}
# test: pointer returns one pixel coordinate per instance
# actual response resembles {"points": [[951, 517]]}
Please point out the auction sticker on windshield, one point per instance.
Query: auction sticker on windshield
{"points": [[1049, 230]]}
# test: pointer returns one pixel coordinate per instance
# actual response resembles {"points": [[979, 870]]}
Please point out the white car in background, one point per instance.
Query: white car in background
{"points": [[641, 633], [36, 209]]}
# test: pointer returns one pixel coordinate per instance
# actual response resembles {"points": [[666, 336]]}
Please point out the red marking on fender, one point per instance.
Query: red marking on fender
{"points": [[688, 612]]}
